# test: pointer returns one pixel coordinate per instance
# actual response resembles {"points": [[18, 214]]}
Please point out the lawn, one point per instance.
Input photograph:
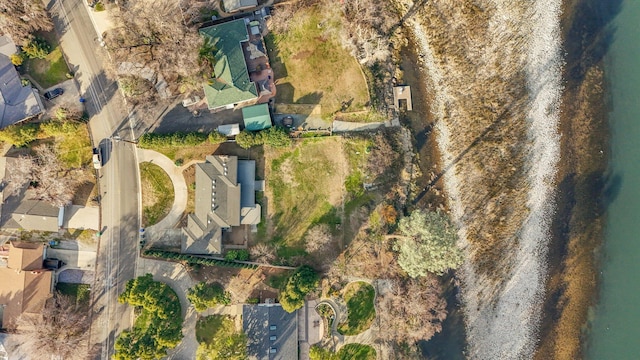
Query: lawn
{"points": [[80, 292], [359, 297], [215, 325], [311, 67], [187, 153], [305, 186], [357, 352], [49, 71], [157, 193], [74, 150]]}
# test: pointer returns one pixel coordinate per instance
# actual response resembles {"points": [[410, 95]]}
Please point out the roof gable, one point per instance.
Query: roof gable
{"points": [[17, 102], [231, 84]]}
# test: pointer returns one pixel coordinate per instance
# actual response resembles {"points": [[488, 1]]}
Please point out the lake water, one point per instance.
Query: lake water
{"points": [[616, 324]]}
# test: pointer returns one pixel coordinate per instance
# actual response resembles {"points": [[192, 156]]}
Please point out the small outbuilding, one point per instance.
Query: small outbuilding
{"points": [[256, 117], [229, 129]]}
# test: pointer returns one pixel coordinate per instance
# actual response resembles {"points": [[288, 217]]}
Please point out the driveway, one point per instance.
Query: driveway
{"points": [[175, 275], [179, 187], [70, 99]]}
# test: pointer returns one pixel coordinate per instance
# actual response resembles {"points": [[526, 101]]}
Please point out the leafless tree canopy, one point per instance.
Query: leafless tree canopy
{"points": [[52, 184], [19, 175], [319, 240], [262, 253], [60, 330], [152, 34], [382, 155], [413, 310], [21, 18], [366, 29]]}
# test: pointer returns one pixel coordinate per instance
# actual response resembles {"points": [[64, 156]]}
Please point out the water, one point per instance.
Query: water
{"points": [[615, 331]]}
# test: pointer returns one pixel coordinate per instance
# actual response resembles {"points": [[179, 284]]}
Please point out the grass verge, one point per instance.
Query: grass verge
{"points": [[314, 68], [157, 193], [359, 297]]}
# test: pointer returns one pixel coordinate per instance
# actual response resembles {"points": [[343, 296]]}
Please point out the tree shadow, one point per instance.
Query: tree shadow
{"points": [[285, 92], [589, 36]]}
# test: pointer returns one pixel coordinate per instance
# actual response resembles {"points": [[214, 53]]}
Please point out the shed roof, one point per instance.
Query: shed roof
{"points": [[235, 5], [231, 84], [35, 215], [256, 117]]}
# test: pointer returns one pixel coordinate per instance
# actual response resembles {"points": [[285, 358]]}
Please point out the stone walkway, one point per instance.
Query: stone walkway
{"points": [[179, 187]]}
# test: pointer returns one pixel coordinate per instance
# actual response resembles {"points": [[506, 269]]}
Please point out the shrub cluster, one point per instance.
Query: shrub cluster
{"points": [[159, 325], [204, 296], [242, 255], [298, 285], [194, 260], [152, 140], [276, 137]]}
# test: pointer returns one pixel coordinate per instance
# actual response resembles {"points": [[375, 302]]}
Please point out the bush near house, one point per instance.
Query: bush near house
{"points": [[17, 59], [38, 48], [242, 255], [219, 339], [298, 285], [205, 295], [276, 137]]}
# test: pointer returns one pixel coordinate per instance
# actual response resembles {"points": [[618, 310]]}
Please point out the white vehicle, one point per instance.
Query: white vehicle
{"points": [[97, 158]]}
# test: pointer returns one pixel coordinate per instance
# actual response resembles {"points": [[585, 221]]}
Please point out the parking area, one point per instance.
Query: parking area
{"points": [[70, 98]]}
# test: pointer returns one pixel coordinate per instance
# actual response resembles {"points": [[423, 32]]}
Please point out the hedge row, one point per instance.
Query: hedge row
{"points": [[151, 140], [196, 260]]}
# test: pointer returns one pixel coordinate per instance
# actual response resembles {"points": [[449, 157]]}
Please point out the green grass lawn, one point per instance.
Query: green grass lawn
{"points": [[80, 292], [357, 352], [359, 297], [49, 71], [214, 325], [157, 193], [74, 150], [305, 185], [312, 68]]}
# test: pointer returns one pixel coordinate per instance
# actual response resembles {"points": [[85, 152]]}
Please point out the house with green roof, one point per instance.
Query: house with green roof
{"points": [[231, 84], [256, 117]]}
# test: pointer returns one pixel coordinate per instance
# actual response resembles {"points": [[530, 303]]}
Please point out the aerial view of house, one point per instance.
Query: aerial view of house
{"points": [[272, 333], [225, 202], [18, 101], [25, 285]]}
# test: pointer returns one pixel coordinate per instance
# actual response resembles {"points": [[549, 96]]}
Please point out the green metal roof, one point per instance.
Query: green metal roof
{"points": [[256, 117], [231, 84]]}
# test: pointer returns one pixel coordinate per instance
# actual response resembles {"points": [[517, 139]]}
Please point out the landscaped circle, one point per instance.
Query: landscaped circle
{"points": [[359, 297]]}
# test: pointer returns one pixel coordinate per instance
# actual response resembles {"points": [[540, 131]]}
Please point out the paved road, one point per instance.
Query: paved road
{"points": [[117, 252]]}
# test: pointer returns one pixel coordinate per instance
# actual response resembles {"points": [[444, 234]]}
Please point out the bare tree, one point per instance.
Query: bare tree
{"points": [[319, 239], [366, 24], [52, 184], [412, 310], [20, 19], [19, 174], [152, 35], [382, 156], [262, 253], [61, 330]]}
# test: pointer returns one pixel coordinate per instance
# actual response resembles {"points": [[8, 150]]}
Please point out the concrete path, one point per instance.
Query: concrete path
{"points": [[175, 275], [179, 187]]}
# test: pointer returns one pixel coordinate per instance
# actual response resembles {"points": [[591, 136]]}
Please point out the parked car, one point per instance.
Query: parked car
{"points": [[97, 158], [52, 94]]}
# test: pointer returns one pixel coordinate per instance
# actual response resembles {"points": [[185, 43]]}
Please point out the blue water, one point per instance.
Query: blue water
{"points": [[615, 330]]}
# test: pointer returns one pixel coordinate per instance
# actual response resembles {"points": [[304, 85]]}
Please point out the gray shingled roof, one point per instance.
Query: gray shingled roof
{"points": [[35, 215], [258, 322], [218, 202], [17, 102]]}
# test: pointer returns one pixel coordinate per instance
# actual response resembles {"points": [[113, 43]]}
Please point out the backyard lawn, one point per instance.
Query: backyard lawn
{"points": [[356, 351], [359, 297], [305, 188], [311, 67], [157, 193]]}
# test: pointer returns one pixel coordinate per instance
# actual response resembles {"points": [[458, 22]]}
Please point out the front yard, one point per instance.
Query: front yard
{"points": [[52, 69], [359, 297], [312, 68], [157, 193]]}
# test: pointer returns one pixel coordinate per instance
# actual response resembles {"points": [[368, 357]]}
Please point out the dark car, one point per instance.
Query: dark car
{"points": [[287, 121], [52, 94]]}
